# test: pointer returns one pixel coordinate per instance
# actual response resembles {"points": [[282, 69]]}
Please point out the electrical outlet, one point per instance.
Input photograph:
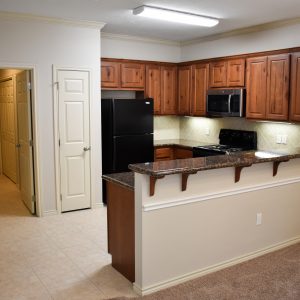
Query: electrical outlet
{"points": [[207, 131], [258, 218], [284, 139], [278, 139]]}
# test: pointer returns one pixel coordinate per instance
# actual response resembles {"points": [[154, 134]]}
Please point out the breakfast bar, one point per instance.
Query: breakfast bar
{"points": [[198, 215]]}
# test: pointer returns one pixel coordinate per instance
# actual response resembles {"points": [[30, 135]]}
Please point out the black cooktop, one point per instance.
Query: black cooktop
{"points": [[231, 141]]}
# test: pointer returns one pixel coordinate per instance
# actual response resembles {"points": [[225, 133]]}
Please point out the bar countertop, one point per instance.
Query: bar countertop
{"points": [[125, 179], [191, 165]]}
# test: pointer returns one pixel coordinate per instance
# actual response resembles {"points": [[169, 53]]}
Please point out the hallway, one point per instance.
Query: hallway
{"points": [[58, 257]]}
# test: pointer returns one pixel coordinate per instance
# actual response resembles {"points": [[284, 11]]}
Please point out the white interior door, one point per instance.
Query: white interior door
{"points": [[74, 132], [23, 99], [8, 129]]}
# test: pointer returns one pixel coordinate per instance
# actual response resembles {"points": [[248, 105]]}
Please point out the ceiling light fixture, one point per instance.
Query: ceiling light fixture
{"points": [[174, 16]]}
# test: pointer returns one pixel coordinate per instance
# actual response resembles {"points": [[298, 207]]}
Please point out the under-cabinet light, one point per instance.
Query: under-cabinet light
{"points": [[174, 16]]}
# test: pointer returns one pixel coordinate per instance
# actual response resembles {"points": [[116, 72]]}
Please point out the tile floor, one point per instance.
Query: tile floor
{"points": [[58, 257]]}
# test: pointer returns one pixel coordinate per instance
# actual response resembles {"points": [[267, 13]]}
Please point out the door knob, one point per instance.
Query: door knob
{"points": [[18, 145], [86, 149]]}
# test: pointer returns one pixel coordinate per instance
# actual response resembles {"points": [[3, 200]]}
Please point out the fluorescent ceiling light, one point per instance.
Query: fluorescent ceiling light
{"points": [[174, 16]]}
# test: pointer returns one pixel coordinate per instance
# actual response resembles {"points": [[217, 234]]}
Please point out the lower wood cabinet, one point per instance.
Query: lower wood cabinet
{"points": [[295, 88], [172, 152]]}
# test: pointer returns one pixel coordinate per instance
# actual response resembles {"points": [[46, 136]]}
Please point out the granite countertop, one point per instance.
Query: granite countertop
{"points": [[189, 144], [190, 165], [125, 179]]}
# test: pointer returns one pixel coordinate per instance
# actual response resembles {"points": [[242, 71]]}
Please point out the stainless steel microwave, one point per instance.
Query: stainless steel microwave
{"points": [[225, 103]]}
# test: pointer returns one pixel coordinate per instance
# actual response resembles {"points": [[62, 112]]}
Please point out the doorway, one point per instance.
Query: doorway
{"points": [[16, 135]]}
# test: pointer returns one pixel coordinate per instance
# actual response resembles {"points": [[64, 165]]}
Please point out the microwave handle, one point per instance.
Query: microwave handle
{"points": [[229, 103]]}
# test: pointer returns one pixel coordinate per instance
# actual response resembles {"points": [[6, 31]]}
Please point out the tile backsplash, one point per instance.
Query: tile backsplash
{"points": [[207, 130]]}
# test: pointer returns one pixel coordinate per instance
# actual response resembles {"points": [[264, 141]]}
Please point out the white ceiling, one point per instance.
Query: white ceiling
{"points": [[234, 14]]}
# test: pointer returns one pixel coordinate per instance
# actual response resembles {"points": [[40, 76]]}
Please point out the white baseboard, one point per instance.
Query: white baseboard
{"points": [[50, 213], [213, 268], [99, 205]]}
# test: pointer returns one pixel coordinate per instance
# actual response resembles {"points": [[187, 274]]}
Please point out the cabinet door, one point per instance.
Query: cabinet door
{"points": [[295, 88], [256, 85], [169, 90], [110, 74], [165, 153], [184, 90], [199, 89], [181, 153], [153, 86], [218, 74], [133, 76], [278, 87], [236, 72]]}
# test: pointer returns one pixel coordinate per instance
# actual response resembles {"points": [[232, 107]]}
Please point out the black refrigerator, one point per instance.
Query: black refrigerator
{"points": [[127, 134]]}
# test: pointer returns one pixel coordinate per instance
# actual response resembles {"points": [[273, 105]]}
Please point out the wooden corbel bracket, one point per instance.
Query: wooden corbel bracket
{"points": [[184, 179], [153, 182], [238, 171], [276, 165]]}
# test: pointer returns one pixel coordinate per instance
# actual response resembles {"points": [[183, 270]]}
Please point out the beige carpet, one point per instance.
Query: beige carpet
{"points": [[269, 277]]}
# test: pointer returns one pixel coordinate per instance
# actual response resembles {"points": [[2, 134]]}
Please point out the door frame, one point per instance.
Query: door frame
{"points": [[35, 132], [55, 70]]}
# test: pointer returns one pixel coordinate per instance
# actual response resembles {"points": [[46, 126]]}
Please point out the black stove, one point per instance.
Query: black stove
{"points": [[231, 141]]}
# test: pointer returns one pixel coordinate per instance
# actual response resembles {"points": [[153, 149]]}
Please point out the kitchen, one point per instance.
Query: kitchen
{"points": [[51, 42]]}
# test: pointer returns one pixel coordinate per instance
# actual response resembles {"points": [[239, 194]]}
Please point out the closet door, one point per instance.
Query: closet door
{"points": [[8, 129]]}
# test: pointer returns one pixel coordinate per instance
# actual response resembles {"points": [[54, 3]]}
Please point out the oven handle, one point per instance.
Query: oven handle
{"points": [[229, 103]]}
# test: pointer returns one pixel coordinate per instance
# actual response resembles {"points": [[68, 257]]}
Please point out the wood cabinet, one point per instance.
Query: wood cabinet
{"points": [[184, 90], [227, 73], [268, 87], [172, 152], [110, 74], [256, 85], [161, 82], [295, 88], [133, 76], [200, 79], [122, 76]]}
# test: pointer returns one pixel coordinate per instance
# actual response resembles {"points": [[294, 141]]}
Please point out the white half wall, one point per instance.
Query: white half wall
{"points": [[40, 44], [272, 39], [141, 49]]}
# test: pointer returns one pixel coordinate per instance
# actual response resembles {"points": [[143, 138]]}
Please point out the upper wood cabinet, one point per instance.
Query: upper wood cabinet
{"points": [[133, 75], [278, 79], [227, 73], [268, 87], [295, 88], [184, 89], [161, 84], [153, 86], [123, 76], [256, 86], [200, 79], [169, 90], [110, 74]]}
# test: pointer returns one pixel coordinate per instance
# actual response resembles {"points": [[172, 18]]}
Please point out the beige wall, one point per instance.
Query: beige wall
{"points": [[211, 225]]}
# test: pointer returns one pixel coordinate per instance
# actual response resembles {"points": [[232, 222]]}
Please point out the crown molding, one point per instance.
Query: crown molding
{"points": [[29, 17], [114, 36], [246, 30]]}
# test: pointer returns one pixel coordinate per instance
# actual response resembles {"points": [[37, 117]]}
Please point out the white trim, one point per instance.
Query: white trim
{"points": [[55, 70], [114, 36], [30, 17], [50, 213], [241, 31], [172, 203], [214, 268], [99, 205]]}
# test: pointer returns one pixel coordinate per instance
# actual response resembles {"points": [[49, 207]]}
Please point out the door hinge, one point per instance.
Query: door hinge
{"points": [[30, 143], [58, 143], [29, 86], [57, 84], [33, 198], [60, 197]]}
